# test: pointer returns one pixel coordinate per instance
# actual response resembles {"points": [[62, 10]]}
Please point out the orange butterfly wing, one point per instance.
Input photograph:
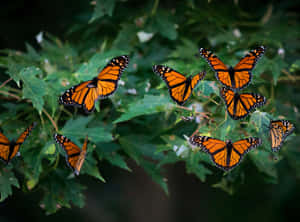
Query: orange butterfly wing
{"points": [[238, 77], [242, 70], [180, 87], [279, 130], [240, 105], [8, 150], [225, 155], [85, 94], [4, 148], [74, 156]]}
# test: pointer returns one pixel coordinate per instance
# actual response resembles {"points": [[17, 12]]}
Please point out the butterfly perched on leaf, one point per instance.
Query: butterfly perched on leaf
{"points": [[85, 94], [239, 105], [74, 155], [180, 87], [225, 155], [279, 130], [237, 77], [10, 149]]}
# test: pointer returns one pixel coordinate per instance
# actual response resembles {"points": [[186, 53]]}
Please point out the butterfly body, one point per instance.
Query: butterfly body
{"points": [[279, 130], [239, 105], [237, 77], [180, 87], [74, 155], [10, 149], [85, 94], [225, 155]]}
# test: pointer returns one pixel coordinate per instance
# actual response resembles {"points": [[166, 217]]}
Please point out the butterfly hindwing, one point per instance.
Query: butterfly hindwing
{"points": [[240, 105], [225, 155], [279, 130], [85, 94], [74, 155], [238, 77], [8, 150], [180, 87]]}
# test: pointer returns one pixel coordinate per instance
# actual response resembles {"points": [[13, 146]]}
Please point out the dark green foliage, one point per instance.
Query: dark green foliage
{"points": [[146, 126]]}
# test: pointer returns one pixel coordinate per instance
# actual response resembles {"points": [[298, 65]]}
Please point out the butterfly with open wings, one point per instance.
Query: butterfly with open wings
{"points": [[237, 77], [10, 149], [85, 94], [225, 155], [180, 87]]}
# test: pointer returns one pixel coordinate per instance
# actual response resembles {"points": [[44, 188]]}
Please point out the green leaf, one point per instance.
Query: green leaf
{"points": [[193, 166], [74, 128], [90, 167], [207, 87], [163, 25], [265, 163], [103, 7], [117, 160], [261, 121], [155, 175], [90, 69], [34, 88], [7, 180], [150, 104]]}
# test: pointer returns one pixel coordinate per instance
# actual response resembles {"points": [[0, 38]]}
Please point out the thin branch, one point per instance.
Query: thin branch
{"points": [[51, 120], [10, 94], [195, 132], [5, 82]]}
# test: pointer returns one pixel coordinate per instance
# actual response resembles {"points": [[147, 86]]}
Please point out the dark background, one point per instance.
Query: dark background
{"points": [[134, 196]]}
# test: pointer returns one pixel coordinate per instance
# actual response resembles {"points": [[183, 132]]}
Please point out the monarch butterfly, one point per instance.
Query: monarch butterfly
{"points": [[238, 77], [180, 87], [240, 105], [74, 156], [225, 155], [279, 130], [86, 93], [10, 149]]}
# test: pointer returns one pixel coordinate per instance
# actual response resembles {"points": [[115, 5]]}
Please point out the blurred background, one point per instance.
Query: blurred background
{"points": [[170, 29]]}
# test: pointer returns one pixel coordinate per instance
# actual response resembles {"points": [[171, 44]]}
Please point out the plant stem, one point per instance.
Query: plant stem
{"points": [[5, 82]]}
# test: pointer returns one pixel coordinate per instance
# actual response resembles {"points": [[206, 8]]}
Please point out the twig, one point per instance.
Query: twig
{"points": [[198, 127], [5, 82], [51, 120], [291, 77], [10, 94]]}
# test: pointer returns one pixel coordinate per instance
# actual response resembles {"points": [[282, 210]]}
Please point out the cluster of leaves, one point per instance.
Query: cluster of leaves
{"points": [[122, 126]]}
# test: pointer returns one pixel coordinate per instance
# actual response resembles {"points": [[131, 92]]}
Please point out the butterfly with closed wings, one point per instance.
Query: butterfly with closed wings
{"points": [[74, 155], [279, 130]]}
